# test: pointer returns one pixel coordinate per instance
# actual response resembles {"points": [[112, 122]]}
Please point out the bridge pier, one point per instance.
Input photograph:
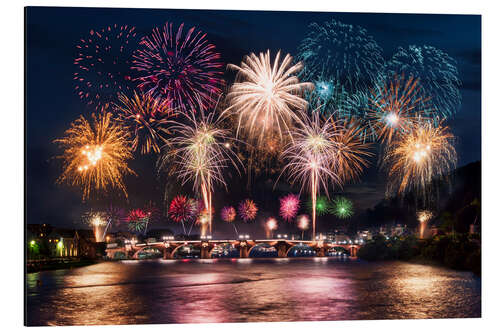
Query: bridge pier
{"points": [[243, 252], [282, 250], [167, 253], [205, 251], [320, 252]]}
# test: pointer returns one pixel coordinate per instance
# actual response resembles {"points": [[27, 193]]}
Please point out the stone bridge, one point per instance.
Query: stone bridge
{"points": [[206, 247]]}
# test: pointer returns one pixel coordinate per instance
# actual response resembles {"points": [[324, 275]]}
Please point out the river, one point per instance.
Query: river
{"points": [[244, 290]]}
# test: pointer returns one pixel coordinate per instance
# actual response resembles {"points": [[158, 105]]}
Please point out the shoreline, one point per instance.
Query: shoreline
{"points": [[41, 266]]}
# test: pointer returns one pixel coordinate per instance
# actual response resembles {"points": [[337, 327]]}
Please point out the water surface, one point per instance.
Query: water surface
{"points": [[243, 290]]}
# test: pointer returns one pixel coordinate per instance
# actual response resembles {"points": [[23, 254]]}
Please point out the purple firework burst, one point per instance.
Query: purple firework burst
{"points": [[183, 68], [228, 214]]}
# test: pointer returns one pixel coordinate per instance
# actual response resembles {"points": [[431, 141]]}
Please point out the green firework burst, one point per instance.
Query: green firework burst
{"points": [[342, 208]]}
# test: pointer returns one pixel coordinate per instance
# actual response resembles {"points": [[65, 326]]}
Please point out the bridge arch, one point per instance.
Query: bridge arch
{"points": [[302, 246], [179, 246], [119, 255], [147, 248], [232, 251], [262, 245]]}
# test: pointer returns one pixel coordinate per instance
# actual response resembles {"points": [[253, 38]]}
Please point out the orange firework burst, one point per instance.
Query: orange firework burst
{"points": [[352, 152], [147, 118], [417, 157], [95, 154], [266, 95], [396, 107]]}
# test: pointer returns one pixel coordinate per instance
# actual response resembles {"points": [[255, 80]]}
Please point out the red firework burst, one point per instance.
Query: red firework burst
{"points": [[228, 214], [182, 209], [289, 206], [103, 64], [183, 68], [138, 220], [247, 210]]}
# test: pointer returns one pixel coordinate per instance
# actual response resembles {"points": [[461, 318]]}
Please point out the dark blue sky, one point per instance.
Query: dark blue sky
{"points": [[51, 105]]}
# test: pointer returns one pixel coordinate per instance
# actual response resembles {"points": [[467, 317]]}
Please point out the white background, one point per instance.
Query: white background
{"points": [[12, 160]]}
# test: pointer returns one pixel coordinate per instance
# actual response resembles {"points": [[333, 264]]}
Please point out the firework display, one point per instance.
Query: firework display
{"points": [[265, 96], [147, 118], [342, 207], [397, 107], [289, 206], [181, 66], [423, 216], [247, 210], [103, 64], [310, 157], [437, 73], [99, 223], [322, 205], [138, 220], [95, 154], [228, 214], [345, 54], [313, 118], [182, 210], [351, 150], [414, 160], [200, 153]]}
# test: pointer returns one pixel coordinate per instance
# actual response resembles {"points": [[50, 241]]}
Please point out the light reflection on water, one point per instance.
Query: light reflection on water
{"points": [[240, 290]]}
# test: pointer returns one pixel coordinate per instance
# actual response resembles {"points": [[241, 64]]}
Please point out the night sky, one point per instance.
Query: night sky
{"points": [[52, 104]]}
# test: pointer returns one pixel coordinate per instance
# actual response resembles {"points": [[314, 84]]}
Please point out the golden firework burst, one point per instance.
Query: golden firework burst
{"points": [[266, 95], [419, 156], [95, 154]]}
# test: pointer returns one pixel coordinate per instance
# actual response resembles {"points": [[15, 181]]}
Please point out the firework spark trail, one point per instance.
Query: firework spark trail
{"points": [[95, 154], [416, 158], [397, 106], [99, 223], [183, 68], [265, 96], [200, 153], [324, 152], [303, 223], [103, 64], [228, 214], [437, 72], [423, 217], [311, 157], [147, 118]]}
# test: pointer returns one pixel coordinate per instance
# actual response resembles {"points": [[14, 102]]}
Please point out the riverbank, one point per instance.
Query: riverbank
{"points": [[459, 251], [33, 266]]}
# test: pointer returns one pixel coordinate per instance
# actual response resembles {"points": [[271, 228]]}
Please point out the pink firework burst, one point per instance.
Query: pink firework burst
{"points": [[247, 210], [182, 67], [103, 62], [228, 214], [289, 206]]}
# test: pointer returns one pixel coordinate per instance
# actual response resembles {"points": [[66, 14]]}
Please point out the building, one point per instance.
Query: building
{"points": [[47, 241]]}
